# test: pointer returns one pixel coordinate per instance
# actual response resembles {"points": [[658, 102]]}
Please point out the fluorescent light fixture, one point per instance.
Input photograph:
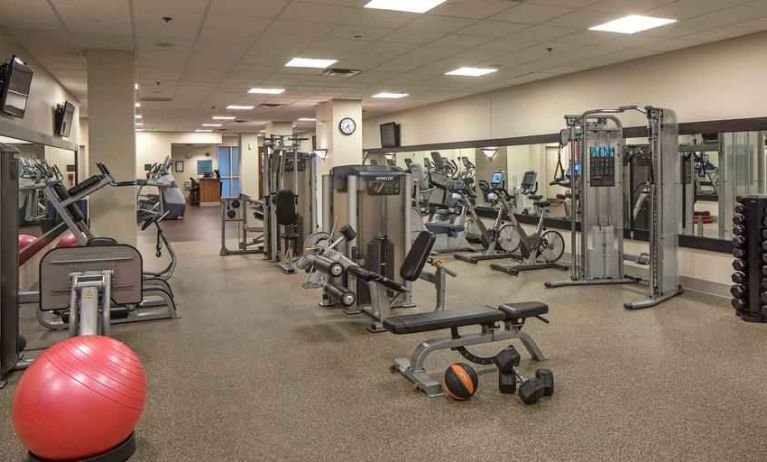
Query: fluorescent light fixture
{"points": [[224, 117], [139, 130], [409, 6], [311, 63], [632, 24], [491, 153], [239, 107], [306, 119], [390, 95], [138, 104], [211, 125], [472, 71], [139, 116], [203, 130], [139, 124], [266, 91], [321, 153], [135, 86]]}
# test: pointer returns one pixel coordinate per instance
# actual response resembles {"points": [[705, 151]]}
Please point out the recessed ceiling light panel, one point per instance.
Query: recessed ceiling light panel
{"points": [[409, 6], [203, 130], [472, 71], [223, 117], [211, 125], [632, 24], [239, 107], [390, 95], [311, 63], [266, 91], [306, 119]]}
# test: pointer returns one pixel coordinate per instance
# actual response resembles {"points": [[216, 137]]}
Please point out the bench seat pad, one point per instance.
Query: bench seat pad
{"points": [[436, 320], [522, 310]]}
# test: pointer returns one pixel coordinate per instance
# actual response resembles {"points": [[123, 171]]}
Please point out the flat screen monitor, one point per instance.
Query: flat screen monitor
{"points": [[14, 90], [390, 135], [497, 178], [64, 115]]}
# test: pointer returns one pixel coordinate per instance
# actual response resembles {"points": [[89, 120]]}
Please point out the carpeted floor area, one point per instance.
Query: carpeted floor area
{"points": [[254, 370]]}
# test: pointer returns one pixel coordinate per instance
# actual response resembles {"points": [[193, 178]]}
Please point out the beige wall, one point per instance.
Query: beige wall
{"points": [[45, 93], [708, 82], [154, 147]]}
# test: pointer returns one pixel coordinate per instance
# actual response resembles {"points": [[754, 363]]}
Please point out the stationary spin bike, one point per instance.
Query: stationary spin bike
{"points": [[501, 240], [543, 248]]}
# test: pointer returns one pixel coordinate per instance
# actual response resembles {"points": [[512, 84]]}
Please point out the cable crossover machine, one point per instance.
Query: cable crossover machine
{"points": [[597, 222]]}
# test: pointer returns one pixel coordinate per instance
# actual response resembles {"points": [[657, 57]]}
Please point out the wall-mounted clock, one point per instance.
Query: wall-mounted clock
{"points": [[347, 126]]}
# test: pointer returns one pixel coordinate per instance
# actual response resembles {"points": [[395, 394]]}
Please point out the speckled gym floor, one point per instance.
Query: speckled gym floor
{"points": [[254, 370]]}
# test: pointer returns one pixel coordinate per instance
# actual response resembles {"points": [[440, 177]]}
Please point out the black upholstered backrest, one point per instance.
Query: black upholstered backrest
{"points": [[419, 253], [286, 208]]}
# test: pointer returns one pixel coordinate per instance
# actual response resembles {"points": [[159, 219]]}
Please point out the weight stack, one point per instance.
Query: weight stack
{"points": [[749, 290]]}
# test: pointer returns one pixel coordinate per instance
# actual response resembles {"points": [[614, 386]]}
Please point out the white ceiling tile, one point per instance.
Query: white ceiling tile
{"points": [[260, 8], [493, 28], [477, 9], [28, 14], [530, 13]]}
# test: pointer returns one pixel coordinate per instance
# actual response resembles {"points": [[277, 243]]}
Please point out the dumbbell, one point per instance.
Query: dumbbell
{"points": [[739, 242], [531, 390], [739, 277], [740, 265], [740, 208], [738, 291], [739, 219]]}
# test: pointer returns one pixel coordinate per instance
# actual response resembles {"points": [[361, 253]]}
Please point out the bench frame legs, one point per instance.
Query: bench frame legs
{"points": [[413, 368]]}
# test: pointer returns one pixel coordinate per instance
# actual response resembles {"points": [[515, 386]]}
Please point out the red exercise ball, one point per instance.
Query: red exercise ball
{"points": [[25, 240], [67, 240], [80, 398]]}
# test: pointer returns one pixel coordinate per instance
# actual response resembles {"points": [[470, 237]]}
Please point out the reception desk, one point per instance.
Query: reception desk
{"points": [[210, 191]]}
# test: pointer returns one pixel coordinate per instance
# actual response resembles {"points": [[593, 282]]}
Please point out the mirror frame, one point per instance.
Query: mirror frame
{"points": [[688, 128]]}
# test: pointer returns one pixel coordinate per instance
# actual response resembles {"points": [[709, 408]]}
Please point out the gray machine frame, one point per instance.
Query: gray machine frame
{"points": [[341, 207], [278, 151], [76, 278], [241, 206], [595, 207]]}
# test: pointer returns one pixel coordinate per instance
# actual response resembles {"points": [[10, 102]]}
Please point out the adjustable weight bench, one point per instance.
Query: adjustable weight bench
{"points": [[503, 323]]}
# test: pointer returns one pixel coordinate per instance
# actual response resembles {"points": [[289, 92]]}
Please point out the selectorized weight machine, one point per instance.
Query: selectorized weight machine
{"points": [[598, 216], [290, 212]]}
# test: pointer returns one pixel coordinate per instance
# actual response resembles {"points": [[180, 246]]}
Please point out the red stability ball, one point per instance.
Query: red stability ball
{"points": [[80, 398], [25, 240], [67, 240]]}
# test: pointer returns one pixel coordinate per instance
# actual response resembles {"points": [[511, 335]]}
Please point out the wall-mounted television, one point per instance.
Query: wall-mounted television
{"points": [[390, 135], [63, 119], [15, 81]]}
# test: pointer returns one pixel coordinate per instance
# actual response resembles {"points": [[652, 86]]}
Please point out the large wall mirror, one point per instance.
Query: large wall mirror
{"points": [[718, 165], [38, 167]]}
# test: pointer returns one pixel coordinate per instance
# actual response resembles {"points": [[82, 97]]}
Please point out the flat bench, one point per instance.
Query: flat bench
{"points": [[512, 315]]}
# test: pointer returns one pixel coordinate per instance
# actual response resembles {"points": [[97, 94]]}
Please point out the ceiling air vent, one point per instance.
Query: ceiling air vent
{"points": [[336, 72], [270, 105]]}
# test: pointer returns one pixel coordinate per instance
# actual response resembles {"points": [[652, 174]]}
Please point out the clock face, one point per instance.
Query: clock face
{"points": [[347, 126]]}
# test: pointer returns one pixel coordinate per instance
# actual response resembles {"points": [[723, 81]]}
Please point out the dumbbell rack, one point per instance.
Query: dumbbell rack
{"points": [[749, 288]]}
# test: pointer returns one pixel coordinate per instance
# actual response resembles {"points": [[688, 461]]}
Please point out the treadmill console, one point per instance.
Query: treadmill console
{"points": [[383, 186], [497, 179], [528, 181]]}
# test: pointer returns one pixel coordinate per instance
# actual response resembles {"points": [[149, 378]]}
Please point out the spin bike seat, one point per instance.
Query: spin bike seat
{"points": [[535, 197], [542, 203]]}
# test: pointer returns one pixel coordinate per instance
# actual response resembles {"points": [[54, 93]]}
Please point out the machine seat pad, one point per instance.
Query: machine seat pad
{"points": [[444, 228], [85, 184], [436, 320], [542, 203], [523, 310]]}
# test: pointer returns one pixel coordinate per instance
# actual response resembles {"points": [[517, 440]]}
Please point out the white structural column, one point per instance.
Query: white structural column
{"points": [[342, 149], [249, 165], [112, 140], [279, 129]]}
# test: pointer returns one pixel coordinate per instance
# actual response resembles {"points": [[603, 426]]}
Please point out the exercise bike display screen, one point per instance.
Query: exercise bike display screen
{"points": [[497, 179], [384, 186], [602, 166]]}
